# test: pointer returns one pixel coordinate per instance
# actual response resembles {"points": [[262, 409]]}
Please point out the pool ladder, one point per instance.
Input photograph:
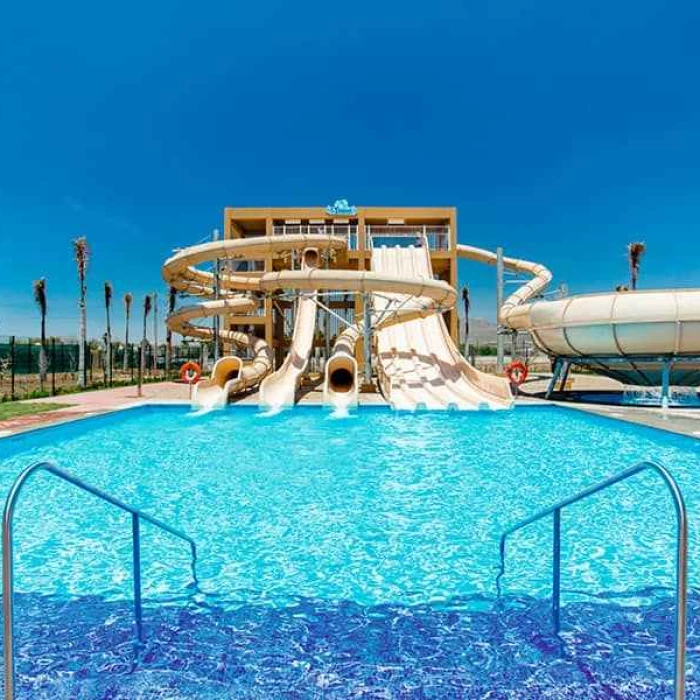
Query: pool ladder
{"points": [[681, 594], [7, 559]]}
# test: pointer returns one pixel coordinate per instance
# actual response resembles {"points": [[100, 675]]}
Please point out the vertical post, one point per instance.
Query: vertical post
{"points": [[556, 570], [666, 383], [155, 333], [367, 329], [327, 318], [130, 350], [555, 377], [85, 364], [7, 603], [53, 366], [680, 621], [499, 303], [12, 367], [217, 293], [565, 369], [136, 547]]}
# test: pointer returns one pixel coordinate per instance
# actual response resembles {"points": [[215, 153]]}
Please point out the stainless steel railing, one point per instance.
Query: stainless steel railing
{"points": [[7, 558], [681, 593]]}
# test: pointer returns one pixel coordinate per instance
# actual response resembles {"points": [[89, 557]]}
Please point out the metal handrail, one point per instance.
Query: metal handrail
{"points": [[681, 557], [7, 559]]}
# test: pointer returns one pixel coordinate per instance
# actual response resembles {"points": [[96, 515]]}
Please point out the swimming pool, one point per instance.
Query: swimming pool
{"points": [[348, 557]]}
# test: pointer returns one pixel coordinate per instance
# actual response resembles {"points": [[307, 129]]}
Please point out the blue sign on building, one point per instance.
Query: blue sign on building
{"points": [[341, 207]]}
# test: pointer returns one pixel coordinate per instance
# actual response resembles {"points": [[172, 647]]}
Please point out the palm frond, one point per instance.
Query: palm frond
{"points": [[147, 303], [40, 294], [82, 253], [108, 294], [128, 299]]}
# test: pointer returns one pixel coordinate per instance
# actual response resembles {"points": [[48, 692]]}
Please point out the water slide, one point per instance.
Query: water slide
{"points": [[278, 390], [647, 338], [240, 292], [419, 364]]}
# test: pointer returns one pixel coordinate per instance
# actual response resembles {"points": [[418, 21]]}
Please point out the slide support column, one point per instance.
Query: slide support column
{"points": [[367, 329], [499, 303]]}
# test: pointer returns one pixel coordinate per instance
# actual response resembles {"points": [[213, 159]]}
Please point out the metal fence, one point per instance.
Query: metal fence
{"points": [[21, 361]]}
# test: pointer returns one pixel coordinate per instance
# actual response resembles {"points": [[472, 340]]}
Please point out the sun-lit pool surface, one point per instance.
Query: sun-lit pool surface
{"points": [[352, 557]]}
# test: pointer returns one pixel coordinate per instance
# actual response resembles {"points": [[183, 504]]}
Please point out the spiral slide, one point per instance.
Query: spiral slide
{"points": [[240, 293]]}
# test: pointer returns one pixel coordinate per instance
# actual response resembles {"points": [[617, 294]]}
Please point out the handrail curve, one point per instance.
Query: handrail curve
{"points": [[7, 554], [681, 593]]}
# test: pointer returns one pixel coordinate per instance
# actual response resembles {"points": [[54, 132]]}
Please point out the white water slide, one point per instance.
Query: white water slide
{"points": [[419, 365], [279, 389]]}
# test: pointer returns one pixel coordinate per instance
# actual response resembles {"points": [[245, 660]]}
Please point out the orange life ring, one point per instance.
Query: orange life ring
{"points": [[190, 372], [516, 372]]}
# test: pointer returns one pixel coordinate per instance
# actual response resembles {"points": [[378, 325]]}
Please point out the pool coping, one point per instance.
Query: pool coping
{"points": [[673, 421]]}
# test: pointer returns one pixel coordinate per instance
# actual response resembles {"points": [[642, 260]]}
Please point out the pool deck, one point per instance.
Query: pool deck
{"points": [[90, 403]]}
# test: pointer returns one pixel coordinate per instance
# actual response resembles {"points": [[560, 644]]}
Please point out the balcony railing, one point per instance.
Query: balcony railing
{"points": [[347, 231], [436, 237]]}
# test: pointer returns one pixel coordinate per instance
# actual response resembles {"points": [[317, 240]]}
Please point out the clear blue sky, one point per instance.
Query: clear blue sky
{"points": [[560, 130]]}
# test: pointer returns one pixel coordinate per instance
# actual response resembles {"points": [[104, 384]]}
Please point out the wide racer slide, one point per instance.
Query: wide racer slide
{"points": [[419, 365]]}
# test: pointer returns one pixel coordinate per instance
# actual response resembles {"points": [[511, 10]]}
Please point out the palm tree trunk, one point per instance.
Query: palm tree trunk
{"points": [[109, 350], [43, 368], [126, 341], [82, 375]]}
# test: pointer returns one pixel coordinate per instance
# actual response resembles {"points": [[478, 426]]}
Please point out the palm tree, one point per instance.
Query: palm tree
{"points": [[634, 256], [40, 298], [146, 311], [128, 299], [467, 303], [172, 298], [80, 248], [108, 359]]}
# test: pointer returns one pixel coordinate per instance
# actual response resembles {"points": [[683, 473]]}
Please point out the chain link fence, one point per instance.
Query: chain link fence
{"points": [[22, 361]]}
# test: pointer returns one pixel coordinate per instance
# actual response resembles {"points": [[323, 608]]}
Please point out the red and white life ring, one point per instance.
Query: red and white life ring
{"points": [[190, 372], [516, 372]]}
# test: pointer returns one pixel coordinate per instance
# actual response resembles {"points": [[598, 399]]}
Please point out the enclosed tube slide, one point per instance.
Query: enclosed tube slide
{"points": [[633, 336]]}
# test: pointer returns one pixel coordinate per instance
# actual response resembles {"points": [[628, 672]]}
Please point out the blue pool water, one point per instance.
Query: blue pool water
{"points": [[352, 557]]}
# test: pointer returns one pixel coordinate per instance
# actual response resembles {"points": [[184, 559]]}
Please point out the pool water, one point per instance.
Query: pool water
{"points": [[348, 557]]}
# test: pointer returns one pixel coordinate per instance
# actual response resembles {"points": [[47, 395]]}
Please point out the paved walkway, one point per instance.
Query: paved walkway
{"points": [[90, 403]]}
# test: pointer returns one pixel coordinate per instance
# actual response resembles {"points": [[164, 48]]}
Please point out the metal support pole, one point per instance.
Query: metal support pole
{"points": [[217, 293], [666, 383], [53, 366], [556, 571], [155, 332], [367, 330], [8, 602], [12, 367], [327, 318], [499, 303], [555, 376], [565, 367], [136, 541]]}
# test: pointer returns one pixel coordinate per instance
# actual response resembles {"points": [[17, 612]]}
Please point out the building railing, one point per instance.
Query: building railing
{"points": [[437, 237], [347, 231]]}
